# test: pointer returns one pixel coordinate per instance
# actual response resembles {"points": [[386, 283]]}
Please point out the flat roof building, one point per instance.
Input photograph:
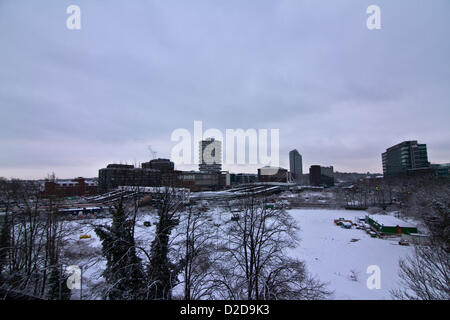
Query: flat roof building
{"points": [[405, 157], [70, 188], [200, 181], [442, 169], [273, 174], [243, 178], [321, 176], [115, 175], [158, 173], [163, 165], [390, 225]]}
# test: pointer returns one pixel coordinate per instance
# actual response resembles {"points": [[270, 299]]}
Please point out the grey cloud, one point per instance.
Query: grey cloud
{"points": [[339, 93]]}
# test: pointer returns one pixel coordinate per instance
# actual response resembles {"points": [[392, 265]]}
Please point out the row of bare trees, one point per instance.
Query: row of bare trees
{"points": [[30, 243], [425, 274], [245, 258], [242, 259], [367, 193], [206, 258]]}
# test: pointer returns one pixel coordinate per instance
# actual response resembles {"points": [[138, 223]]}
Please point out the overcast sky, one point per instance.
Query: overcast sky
{"points": [[72, 101]]}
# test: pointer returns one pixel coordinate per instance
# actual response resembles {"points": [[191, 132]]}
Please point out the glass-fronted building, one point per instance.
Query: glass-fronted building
{"points": [[403, 157], [295, 164]]}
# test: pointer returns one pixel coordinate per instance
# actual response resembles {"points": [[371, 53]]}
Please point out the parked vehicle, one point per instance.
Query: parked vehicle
{"points": [[346, 225]]}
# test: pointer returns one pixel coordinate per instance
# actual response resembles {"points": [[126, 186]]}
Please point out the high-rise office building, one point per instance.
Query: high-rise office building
{"points": [[405, 157], [295, 164], [210, 157]]}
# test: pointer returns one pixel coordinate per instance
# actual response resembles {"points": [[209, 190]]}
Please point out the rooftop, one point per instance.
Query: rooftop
{"points": [[386, 220]]}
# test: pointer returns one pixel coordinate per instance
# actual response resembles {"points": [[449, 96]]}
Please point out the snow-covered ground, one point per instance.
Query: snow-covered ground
{"points": [[331, 256], [327, 249], [87, 252]]}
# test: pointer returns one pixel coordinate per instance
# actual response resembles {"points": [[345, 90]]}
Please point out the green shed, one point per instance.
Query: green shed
{"points": [[390, 225]]}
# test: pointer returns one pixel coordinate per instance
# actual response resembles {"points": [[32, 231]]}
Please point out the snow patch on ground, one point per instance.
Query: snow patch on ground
{"points": [[327, 249], [330, 254]]}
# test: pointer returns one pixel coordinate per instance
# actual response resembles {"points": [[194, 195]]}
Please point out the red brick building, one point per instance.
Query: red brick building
{"points": [[70, 188]]}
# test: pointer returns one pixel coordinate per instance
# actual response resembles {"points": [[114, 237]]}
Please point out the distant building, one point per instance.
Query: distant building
{"points": [[115, 175], [200, 181], [442, 170], [243, 178], [210, 155], [273, 174], [169, 176], [295, 165], [160, 172], [224, 179], [405, 157], [70, 188], [163, 165], [321, 176]]}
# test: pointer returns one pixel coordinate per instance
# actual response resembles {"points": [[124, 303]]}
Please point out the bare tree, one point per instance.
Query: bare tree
{"points": [[425, 275], [31, 240], [256, 265], [196, 252], [289, 279]]}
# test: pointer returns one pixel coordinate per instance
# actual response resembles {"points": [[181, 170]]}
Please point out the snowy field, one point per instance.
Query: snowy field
{"points": [[331, 256], [326, 248]]}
